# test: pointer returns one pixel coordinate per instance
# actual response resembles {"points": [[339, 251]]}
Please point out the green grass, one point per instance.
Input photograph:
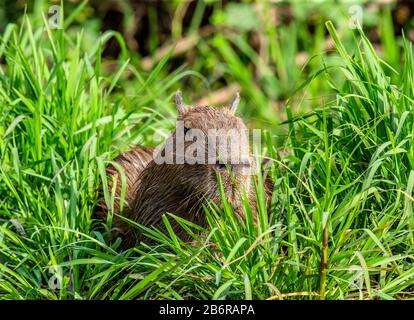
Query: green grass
{"points": [[341, 223]]}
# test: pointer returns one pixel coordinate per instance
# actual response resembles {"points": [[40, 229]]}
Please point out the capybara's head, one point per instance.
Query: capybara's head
{"points": [[209, 142]]}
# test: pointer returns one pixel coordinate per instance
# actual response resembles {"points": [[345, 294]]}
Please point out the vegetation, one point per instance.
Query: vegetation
{"points": [[341, 223]]}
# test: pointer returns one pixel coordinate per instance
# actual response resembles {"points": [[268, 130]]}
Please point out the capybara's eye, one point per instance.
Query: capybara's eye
{"points": [[220, 166]]}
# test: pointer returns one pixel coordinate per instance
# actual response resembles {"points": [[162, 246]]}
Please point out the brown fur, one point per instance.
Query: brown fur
{"points": [[132, 162], [154, 189]]}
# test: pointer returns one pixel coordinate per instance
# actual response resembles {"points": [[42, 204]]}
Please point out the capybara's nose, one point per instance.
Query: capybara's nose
{"points": [[241, 168]]}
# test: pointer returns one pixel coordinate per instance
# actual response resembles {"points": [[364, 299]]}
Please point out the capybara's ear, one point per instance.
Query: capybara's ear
{"points": [[234, 103], [181, 106]]}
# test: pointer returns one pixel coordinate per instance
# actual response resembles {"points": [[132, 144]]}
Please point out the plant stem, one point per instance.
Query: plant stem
{"points": [[324, 262]]}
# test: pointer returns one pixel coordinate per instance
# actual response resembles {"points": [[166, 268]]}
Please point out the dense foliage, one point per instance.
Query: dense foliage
{"points": [[341, 223]]}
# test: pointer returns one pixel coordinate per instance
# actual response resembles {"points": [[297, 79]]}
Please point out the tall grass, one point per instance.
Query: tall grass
{"points": [[341, 222], [63, 119]]}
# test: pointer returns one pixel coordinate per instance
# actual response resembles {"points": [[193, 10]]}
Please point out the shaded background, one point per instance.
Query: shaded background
{"points": [[265, 49]]}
